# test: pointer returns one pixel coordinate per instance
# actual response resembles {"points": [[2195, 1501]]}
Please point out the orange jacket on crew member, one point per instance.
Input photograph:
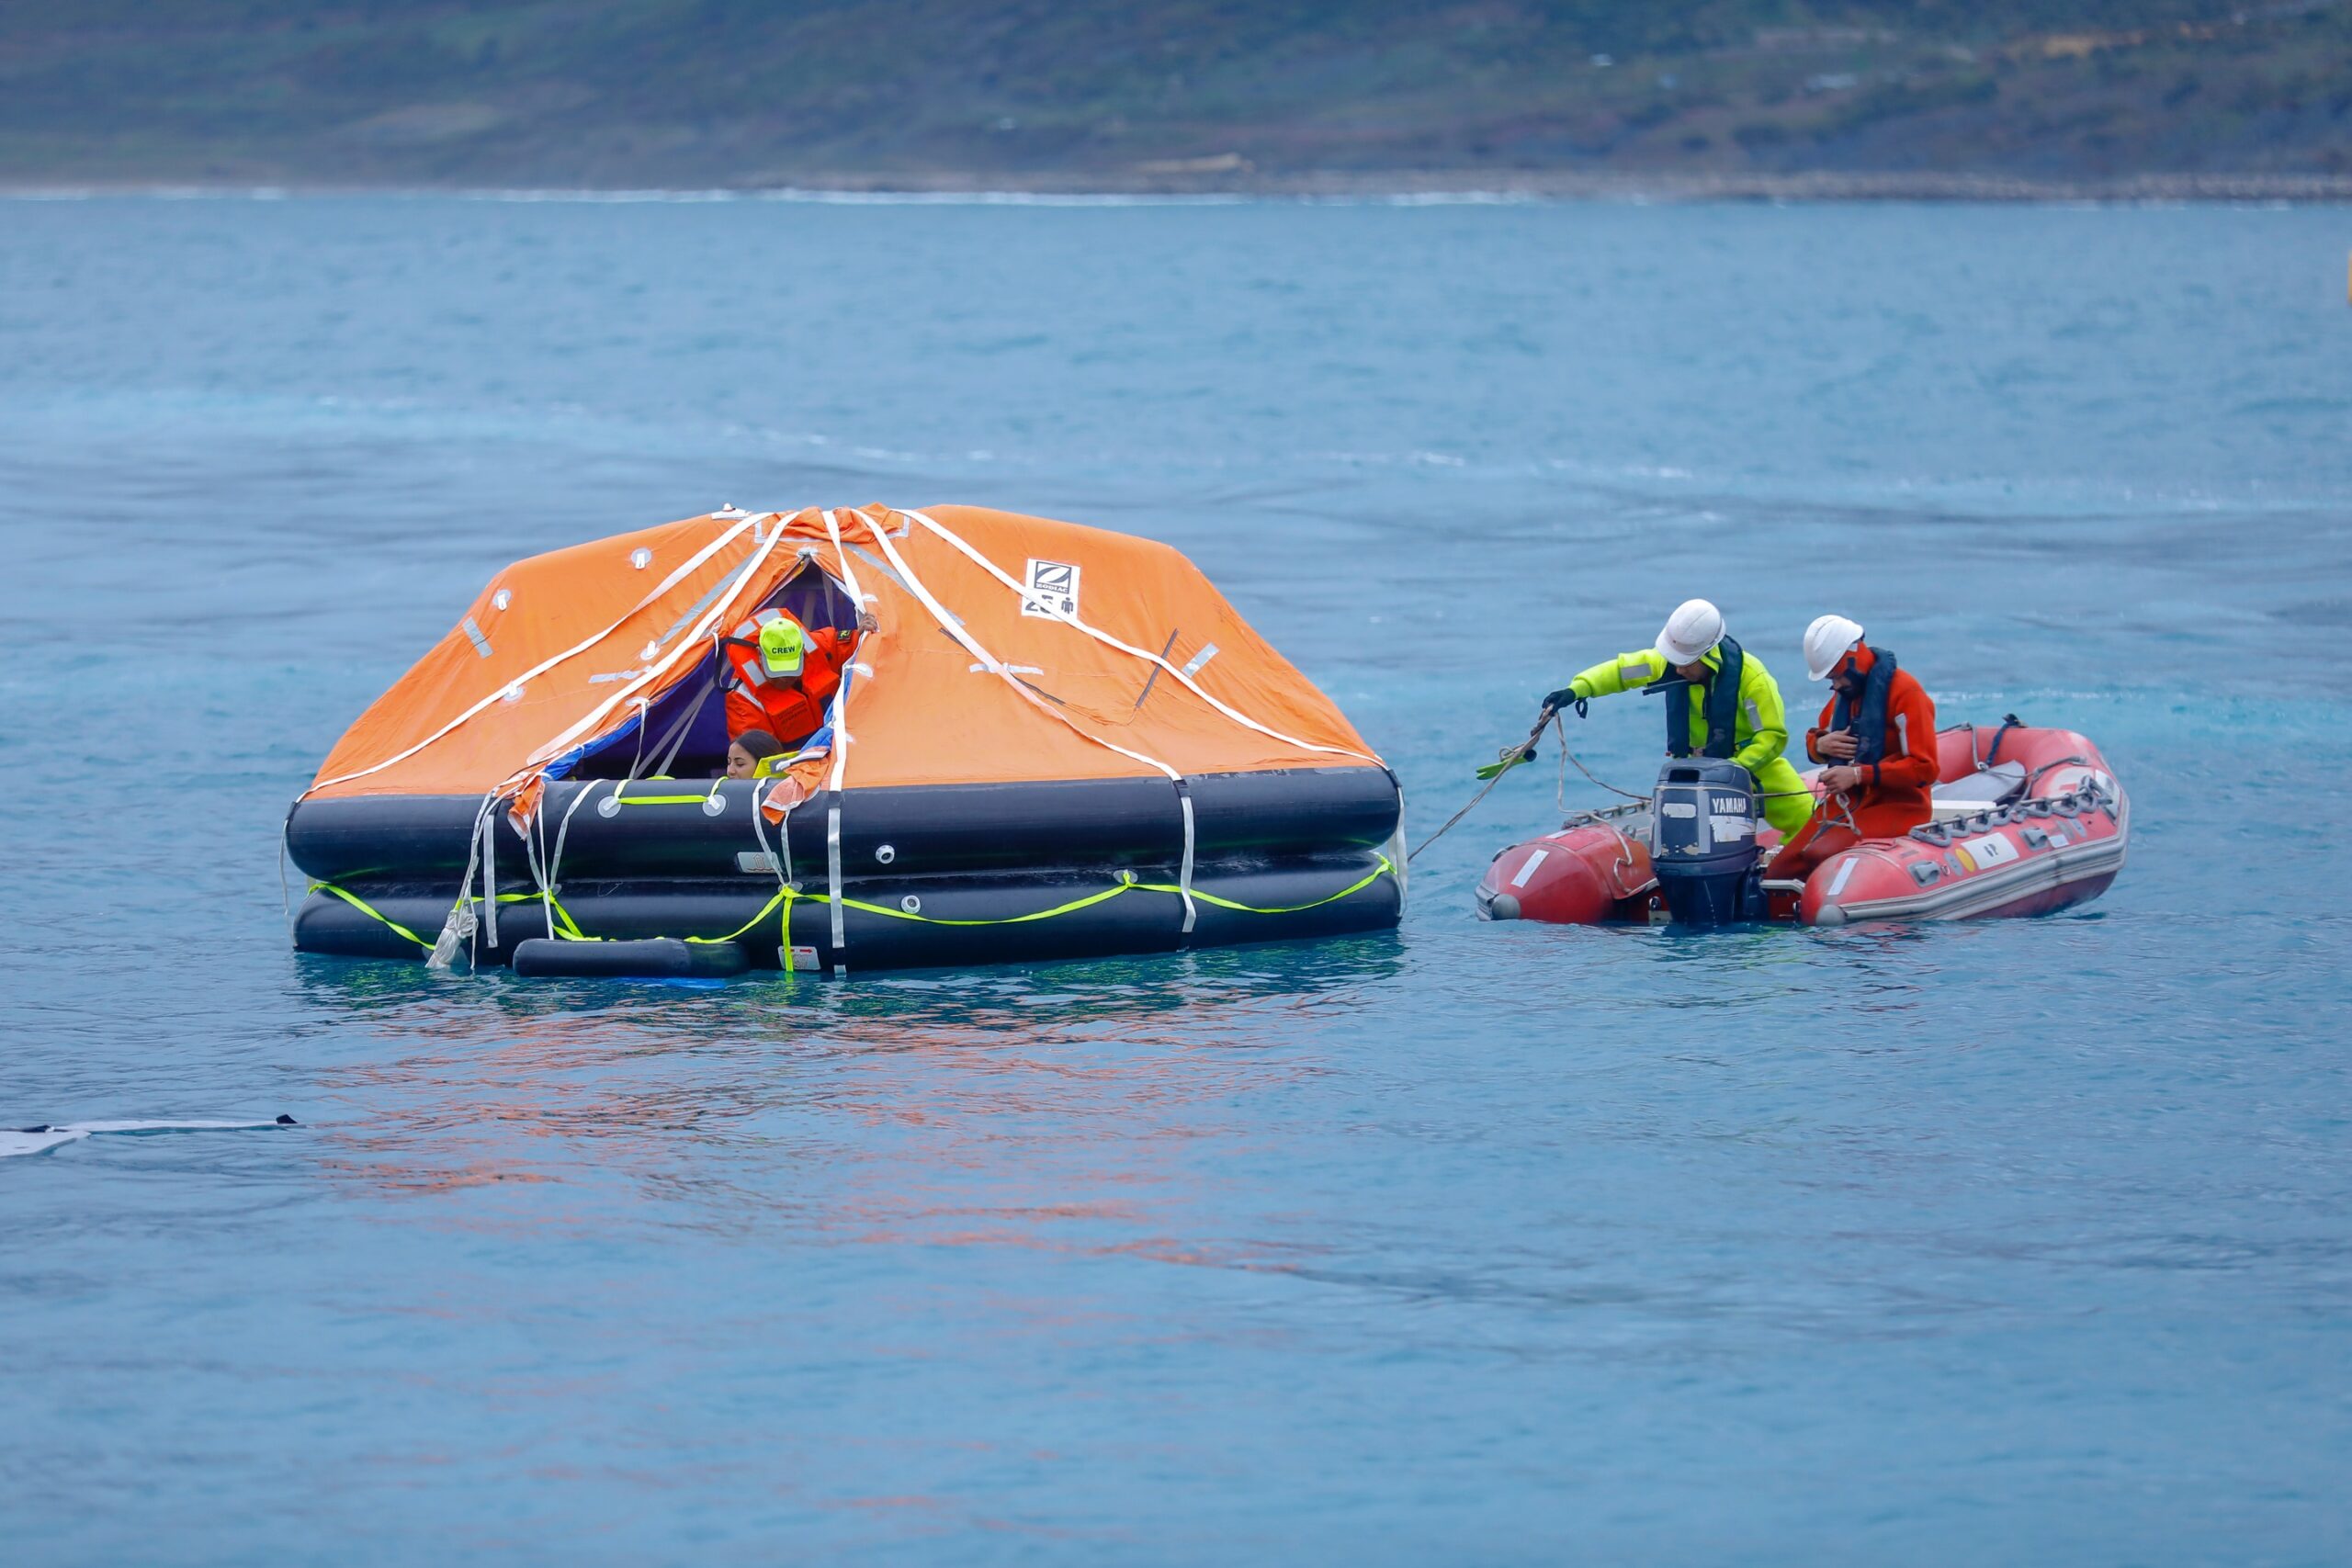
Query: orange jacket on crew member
{"points": [[791, 709], [1894, 794]]}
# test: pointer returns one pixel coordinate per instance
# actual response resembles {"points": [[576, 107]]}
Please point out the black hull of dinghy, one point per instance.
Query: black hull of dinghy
{"points": [[940, 876]]}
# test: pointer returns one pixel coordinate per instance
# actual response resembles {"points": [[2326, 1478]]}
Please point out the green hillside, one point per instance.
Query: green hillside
{"points": [[1186, 92]]}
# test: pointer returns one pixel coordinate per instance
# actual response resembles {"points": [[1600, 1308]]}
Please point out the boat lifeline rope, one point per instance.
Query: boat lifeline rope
{"points": [[1505, 760], [1511, 757], [788, 894]]}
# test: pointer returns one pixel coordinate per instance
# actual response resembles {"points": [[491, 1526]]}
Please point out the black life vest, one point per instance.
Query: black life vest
{"points": [[1866, 719], [1722, 705]]}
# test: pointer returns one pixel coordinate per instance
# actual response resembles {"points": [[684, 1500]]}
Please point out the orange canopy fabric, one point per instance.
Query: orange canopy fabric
{"points": [[980, 671]]}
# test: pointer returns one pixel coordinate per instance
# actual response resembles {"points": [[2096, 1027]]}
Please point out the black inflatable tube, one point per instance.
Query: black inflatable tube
{"points": [[931, 828], [1286, 900]]}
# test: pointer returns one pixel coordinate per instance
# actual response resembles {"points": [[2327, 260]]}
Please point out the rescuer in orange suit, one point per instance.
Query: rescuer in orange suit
{"points": [[1878, 734], [780, 674]]}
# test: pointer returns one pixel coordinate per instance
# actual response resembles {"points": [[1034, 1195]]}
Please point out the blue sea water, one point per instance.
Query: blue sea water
{"points": [[2018, 1242]]}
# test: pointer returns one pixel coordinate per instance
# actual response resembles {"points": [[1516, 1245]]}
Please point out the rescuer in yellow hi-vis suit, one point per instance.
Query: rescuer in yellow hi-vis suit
{"points": [[1736, 716]]}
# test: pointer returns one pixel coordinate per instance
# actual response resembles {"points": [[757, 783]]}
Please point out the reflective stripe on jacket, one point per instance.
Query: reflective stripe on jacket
{"points": [[1761, 730], [789, 708]]}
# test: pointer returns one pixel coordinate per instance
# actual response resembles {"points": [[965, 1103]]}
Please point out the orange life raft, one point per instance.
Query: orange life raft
{"points": [[1057, 741]]}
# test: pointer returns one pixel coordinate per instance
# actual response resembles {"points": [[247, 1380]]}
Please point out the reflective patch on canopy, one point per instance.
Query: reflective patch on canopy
{"points": [[1193, 667], [614, 675], [473, 632], [725, 585], [882, 567]]}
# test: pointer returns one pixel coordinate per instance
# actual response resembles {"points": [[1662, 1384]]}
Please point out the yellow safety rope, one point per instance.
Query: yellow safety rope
{"points": [[565, 923], [365, 907]]}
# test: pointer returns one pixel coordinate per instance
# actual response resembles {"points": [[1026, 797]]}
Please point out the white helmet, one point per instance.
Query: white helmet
{"points": [[1826, 642], [1694, 629]]}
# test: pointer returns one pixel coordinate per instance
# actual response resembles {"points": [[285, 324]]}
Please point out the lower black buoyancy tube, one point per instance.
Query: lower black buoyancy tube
{"points": [[1722, 705], [1865, 719]]}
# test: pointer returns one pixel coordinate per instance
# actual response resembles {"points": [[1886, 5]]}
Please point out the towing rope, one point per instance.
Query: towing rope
{"points": [[1467, 809], [1524, 750]]}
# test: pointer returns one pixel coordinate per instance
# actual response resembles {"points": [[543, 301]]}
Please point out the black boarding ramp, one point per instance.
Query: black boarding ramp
{"points": [[657, 958]]}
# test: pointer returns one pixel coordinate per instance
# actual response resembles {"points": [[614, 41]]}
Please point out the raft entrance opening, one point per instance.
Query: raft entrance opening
{"points": [[683, 733]]}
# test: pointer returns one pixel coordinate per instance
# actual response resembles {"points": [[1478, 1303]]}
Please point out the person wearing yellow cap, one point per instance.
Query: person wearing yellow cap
{"points": [[1732, 707], [780, 674]]}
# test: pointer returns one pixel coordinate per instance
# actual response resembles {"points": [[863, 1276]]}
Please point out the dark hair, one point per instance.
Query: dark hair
{"points": [[758, 745]]}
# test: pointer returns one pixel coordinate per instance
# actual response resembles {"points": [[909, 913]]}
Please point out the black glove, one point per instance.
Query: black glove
{"points": [[1563, 700]]}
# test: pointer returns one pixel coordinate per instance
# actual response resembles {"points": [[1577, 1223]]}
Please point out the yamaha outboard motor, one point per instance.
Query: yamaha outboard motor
{"points": [[1703, 842]]}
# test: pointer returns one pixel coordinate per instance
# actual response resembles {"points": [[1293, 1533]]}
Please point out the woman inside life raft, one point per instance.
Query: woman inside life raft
{"points": [[1901, 821]]}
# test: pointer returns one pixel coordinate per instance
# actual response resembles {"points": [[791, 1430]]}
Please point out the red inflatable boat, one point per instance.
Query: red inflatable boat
{"points": [[2026, 821]]}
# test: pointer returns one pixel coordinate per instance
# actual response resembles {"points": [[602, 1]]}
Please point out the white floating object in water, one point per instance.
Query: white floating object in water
{"points": [[43, 1138]]}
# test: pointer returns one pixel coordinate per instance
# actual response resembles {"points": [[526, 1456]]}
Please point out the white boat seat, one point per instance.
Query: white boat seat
{"points": [[1980, 791]]}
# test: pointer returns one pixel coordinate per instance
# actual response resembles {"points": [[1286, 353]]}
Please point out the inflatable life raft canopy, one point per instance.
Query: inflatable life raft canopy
{"points": [[1057, 741]]}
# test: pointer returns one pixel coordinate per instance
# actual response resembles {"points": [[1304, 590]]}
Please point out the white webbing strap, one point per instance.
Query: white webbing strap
{"points": [[460, 925], [780, 858], [490, 877], [563, 833], [1184, 874], [989, 661], [833, 881], [838, 716], [955, 629], [597, 715], [285, 894], [535, 860], [1055, 613], [693, 564]]}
